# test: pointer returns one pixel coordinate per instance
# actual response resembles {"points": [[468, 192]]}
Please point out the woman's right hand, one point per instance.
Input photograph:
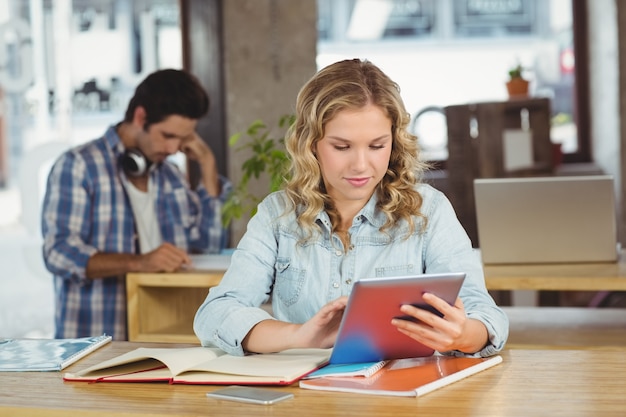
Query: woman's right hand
{"points": [[318, 332], [321, 330]]}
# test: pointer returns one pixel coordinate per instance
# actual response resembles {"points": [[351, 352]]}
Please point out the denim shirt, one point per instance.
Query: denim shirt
{"points": [[272, 262]]}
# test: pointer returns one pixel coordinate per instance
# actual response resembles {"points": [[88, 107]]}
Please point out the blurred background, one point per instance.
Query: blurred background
{"points": [[68, 67]]}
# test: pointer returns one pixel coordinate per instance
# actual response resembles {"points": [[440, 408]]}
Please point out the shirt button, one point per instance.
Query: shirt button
{"points": [[335, 285], [348, 281], [338, 253]]}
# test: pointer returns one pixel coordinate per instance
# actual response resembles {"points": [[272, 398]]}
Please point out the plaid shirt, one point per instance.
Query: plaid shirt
{"points": [[86, 210]]}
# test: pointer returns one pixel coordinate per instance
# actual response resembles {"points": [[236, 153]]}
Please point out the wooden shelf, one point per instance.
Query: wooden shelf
{"points": [[161, 306]]}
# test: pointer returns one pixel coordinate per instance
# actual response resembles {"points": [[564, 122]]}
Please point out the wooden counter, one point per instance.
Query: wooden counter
{"points": [[558, 277], [161, 306]]}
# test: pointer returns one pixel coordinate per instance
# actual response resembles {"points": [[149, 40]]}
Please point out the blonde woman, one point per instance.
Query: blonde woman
{"points": [[354, 207]]}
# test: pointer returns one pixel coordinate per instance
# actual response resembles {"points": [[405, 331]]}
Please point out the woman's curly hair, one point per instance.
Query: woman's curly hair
{"points": [[351, 84]]}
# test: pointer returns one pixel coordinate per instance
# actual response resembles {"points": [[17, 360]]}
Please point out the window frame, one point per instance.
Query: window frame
{"points": [[581, 95]]}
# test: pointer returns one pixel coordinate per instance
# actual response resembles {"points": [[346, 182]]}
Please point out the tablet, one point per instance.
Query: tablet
{"points": [[366, 334]]}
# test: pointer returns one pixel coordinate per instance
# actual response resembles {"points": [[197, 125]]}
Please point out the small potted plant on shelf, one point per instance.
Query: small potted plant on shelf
{"points": [[517, 86]]}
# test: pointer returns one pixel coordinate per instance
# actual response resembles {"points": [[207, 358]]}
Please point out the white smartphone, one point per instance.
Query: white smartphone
{"points": [[250, 395]]}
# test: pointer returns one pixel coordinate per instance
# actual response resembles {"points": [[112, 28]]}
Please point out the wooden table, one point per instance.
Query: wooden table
{"points": [[528, 383], [558, 277]]}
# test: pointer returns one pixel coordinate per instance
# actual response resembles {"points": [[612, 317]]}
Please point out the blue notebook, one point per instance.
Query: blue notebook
{"points": [[364, 369], [21, 355]]}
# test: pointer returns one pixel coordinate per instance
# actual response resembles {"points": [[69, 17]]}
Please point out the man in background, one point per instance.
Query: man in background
{"points": [[117, 205]]}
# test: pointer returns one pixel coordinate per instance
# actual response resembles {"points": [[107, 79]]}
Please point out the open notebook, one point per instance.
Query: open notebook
{"points": [[204, 365], [546, 219]]}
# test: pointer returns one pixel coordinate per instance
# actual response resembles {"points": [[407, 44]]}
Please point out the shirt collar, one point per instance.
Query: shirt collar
{"points": [[114, 140], [369, 213]]}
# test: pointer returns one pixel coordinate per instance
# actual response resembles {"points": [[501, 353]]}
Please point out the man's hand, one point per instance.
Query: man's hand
{"points": [[197, 150], [165, 258]]}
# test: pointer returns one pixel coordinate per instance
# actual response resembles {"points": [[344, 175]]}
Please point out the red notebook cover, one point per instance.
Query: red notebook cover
{"points": [[407, 377]]}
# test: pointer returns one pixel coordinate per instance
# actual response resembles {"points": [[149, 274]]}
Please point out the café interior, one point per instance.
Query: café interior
{"points": [[68, 67]]}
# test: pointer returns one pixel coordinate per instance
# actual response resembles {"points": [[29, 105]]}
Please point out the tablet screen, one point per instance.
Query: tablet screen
{"points": [[366, 333]]}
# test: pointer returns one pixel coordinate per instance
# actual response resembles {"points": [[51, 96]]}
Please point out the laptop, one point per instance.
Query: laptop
{"points": [[366, 333], [546, 219]]}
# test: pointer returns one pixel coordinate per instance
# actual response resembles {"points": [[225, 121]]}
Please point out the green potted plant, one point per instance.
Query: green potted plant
{"points": [[517, 85], [268, 158]]}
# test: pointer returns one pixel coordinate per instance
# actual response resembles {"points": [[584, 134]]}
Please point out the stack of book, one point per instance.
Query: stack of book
{"points": [[399, 377]]}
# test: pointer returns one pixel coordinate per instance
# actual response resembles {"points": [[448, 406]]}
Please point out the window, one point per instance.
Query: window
{"points": [[67, 70], [60, 83], [448, 52]]}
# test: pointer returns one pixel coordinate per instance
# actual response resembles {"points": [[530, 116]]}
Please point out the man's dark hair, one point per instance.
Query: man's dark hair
{"points": [[169, 92]]}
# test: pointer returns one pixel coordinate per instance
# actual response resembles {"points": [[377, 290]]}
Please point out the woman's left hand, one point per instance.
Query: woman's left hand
{"points": [[453, 331]]}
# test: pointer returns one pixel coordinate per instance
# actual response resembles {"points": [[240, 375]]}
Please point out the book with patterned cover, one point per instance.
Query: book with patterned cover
{"points": [[21, 355]]}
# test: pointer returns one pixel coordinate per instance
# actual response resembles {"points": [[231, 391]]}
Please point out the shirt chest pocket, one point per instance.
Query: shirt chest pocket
{"points": [[395, 270], [289, 282]]}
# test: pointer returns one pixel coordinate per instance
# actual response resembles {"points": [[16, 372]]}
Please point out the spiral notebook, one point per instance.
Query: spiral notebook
{"points": [[19, 355], [364, 369]]}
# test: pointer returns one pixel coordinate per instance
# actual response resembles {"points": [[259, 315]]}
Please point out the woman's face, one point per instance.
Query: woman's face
{"points": [[354, 155]]}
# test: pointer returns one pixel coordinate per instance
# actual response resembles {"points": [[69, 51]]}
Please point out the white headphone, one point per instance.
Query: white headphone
{"points": [[134, 163]]}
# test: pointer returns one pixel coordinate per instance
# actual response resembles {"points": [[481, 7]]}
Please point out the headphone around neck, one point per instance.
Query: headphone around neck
{"points": [[134, 163]]}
